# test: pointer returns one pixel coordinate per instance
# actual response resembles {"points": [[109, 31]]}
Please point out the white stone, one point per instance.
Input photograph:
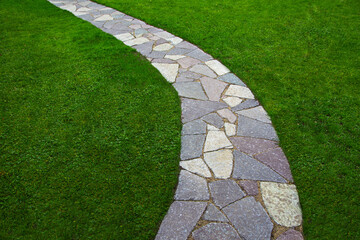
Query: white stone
{"points": [[220, 162], [282, 202], [218, 67], [230, 129], [163, 47], [216, 140], [196, 166], [232, 101], [84, 3], [136, 41], [105, 17], [175, 40], [169, 71], [135, 26], [212, 128], [174, 57], [203, 69], [83, 9], [69, 7], [226, 113], [257, 113], [239, 91], [79, 13], [154, 38], [124, 37]]}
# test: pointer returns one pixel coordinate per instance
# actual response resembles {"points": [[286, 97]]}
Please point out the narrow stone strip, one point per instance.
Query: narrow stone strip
{"points": [[235, 181]]}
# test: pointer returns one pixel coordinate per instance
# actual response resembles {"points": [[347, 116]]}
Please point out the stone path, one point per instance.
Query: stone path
{"points": [[235, 181]]}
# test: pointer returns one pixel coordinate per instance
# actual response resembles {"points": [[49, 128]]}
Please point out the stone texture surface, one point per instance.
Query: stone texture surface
{"points": [[203, 69], [214, 120], [196, 166], [226, 113], [216, 140], [191, 187], [291, 234], [282, 203], [136, 41], [250, 187], [252, 146], [188, 62], [194, 109], [239, 91], [180, 220], [246, 167], [217, 67], [216, 231], [230, 129], [250, 219], [276, 159], [199, 54], [232, 78], [169, 71], [191, 146], [220, 162], [163, 47], [257, 113], [214, 214], [249, 103], [224, 192], [248, 127], [213, 88], [190, 90], [232, 101], [194, 127]]}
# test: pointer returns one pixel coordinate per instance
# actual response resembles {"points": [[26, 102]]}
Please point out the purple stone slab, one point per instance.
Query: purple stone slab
{"points": [[191, 187], [216, 231], [252, 146], [224, 192], [194, 109], [246, 104], [214, 214], [248, 127], [250, 187], [191, 146], [291, 234]]}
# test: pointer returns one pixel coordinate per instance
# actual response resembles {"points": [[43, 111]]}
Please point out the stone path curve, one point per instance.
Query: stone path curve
{"points": [[235, 181]]}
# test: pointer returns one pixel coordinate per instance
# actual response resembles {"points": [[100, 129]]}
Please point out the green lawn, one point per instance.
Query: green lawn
{"points": [[89, 130], [301, 60]]}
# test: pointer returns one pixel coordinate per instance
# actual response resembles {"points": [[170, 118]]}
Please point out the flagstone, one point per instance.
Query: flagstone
{"points": [[191, 146], [216, 231], [190, 90], [144, 48], [226, 113], [174, 57], [217, 67], [291, 234], [69, 7], [214, 214], [250, 187], [140, 32], [203, 69], [175, 40], [163, 47], [220, 162], [194, 109], [199, 54], [212, 128], [178, 51], [188, 62], [248, 127], [169, 71], [232, 101], [136, 41], [249, 103], [257, 113], [231, 78], [216, 140], [194, 127], [105, 17], [239, 91], [213, 88], [230, 129], [196, 166], [124, 36], [252, 146], [224, 192], [191, 187], [187, 45], [164, 34]]}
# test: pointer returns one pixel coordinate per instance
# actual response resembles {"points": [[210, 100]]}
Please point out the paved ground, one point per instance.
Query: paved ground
{"points": [[235, 181]]}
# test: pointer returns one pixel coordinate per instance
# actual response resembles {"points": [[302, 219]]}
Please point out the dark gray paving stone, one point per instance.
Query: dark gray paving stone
{"points": [[114, 31], [276, 159], [163, 60], [191, 187], [191, 146], [291, 234], [178, 51], [189, 74], [252, 146], [216, 231], [86, 17], [199, 54], [248, 127], [224, 192], [214, 119], [140, 31], [121, 26], [250, 187], [186, 45], [157, 55], [248, 168], [107, 11], [250, 219], [144, 48], [180, 220], [214, 214], [231, 78], [194, 109], [194, 127], [246, 104], [190, 90]]}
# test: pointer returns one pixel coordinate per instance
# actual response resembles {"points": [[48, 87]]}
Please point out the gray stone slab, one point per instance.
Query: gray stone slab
{"points": [[107, 11], [203, 69], [248, 127], [188, 62], [213, 88], [121, 26], [98, 24], [86, 17], [194, 127], [191, 146], [190, 90], [199, 54], [194, 109], [156, 55], [110, 24], [224, 192], [252, 146], [216, 231], [184, 79], [250, 187], [214, 119], [180, 220], [163, 60], [291, 234], [93, 5], [140, 31], [144, 48], [191, 187], [246, 104], [178, 51], [186, 45], [248, 168], [188, 74], [214, 214], [231, 78], [250, 219]]}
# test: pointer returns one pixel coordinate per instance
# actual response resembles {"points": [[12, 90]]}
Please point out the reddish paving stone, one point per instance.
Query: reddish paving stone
{"points": [[291, 234], [250, 187]]}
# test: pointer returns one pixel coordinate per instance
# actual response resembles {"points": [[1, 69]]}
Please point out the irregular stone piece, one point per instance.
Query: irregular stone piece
{"points": [[194, 127], [196, 166], [257, 113], [217, 67], [189, 74], [249, 218], [226, 113], [105, 17], [190, 90], [291, 234], [163, 47], [164, 34], [203, 69], [212, 128], [224, 192], [191, 187], [178, 51], [216, 231], [169, 71], [247, 104], [144, 48], [186, 45], [220, 162], [124, 37], [193, 109], [252, 146], [282, 203], [180, 220], [199, 54], [276, 159], [136, 41], [175, 40], [248, 127], [69, 7], [239, 91], [174, 57], [157, 55], [250, 187], [214, 119], [230, 129], [231, 78], [245, 167], [213, 88], [188, 62], [216, 140], [163, 60], [214, 214], [139, 32], [232, 101], [191, 146]]}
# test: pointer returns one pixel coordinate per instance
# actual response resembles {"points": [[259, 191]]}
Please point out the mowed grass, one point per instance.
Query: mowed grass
{"points": [[301, 60], [89, 130]]}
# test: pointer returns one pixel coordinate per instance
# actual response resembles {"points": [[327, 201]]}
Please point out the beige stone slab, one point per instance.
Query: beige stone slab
{"points": [[168, 70], [239, 91], [216, 140], [220, 162]]}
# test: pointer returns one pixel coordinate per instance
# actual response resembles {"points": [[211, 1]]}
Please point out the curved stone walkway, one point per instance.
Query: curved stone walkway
{"points": [[235, 181]]}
